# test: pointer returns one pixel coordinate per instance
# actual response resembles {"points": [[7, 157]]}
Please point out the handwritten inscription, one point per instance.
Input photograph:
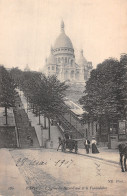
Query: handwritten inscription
{"points": [[98, 169], [59, 163], [11, 188], [21, 162], [63, 162]]}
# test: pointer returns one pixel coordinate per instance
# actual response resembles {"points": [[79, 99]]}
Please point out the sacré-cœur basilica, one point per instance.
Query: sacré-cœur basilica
{"points": [[61, 61]]}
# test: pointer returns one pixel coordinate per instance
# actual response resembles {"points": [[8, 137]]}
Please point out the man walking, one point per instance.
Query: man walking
{"points": [[60, 143], [87, 145]]}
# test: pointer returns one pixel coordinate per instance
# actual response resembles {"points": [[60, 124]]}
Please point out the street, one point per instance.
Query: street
{"points": [[48, 172]]}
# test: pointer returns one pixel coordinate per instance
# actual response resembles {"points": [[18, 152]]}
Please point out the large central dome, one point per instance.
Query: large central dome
{"points": [[63, 41]]}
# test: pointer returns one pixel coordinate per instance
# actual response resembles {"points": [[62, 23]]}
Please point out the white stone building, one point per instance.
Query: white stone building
{"points": [[61, 61]]}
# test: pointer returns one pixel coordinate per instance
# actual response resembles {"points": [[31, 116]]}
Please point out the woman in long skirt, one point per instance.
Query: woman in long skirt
{"points": [[94, 147]]}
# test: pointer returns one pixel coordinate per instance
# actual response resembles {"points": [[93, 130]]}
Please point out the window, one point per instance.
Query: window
{"points": [[92, 127], [96, 127], [65, 59], [86, 133], [52, 67]]}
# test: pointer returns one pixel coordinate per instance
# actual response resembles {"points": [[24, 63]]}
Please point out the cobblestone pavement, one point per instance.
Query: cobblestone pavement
{"points": [[48, 172]]}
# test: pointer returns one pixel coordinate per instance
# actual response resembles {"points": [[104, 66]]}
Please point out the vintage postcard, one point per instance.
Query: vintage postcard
{"points": [[63, 98]]}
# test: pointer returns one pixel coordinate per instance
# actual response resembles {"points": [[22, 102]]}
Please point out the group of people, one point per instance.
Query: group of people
{"points": [[87, 145]]}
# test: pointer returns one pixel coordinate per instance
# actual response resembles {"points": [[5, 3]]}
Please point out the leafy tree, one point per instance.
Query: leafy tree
{"points": [[8, 92], [45, 93], [104, 94], [123, 84], [17, 76], [52, 93]]}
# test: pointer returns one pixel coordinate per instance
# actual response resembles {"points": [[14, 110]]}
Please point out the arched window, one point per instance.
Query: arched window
{"points": [[65, 59], [59, 60], [62, 59], [72, 74]]}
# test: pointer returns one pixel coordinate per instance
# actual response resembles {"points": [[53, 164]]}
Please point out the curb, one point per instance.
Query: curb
{"points": [[102, 159]]}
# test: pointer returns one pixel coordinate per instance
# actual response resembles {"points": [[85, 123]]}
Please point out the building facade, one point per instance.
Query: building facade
{"points": [[62, 63]]}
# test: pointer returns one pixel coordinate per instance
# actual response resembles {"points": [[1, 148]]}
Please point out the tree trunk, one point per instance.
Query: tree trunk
{"points": [[49, 127], [36, 110], [6, 116], [27, 104], [33, 109], [44, 122], [39, 118]]}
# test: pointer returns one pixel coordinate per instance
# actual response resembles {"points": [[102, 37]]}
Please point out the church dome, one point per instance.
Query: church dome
{"points": [[51, 60], [63, 41], [82, 60]]}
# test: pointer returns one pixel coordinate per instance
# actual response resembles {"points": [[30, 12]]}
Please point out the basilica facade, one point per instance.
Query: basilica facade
{"points": [[62, 63]]}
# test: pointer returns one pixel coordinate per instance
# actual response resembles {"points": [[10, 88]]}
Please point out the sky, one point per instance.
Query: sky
{"points": [[30, 27]]}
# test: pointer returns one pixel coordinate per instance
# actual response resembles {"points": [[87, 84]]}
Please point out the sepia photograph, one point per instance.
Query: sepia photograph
{"points": [[63, 98]]}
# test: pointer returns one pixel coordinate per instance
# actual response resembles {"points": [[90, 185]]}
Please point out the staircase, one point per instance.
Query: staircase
{"points": [[26, 133], [69, 128]]}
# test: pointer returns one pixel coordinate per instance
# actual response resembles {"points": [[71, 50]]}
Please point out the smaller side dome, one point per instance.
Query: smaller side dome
{"points": [[51, 60], [82, 60]]}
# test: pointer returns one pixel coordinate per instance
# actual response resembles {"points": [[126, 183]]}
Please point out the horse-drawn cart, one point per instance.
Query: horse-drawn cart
{"points": [[70, 144]]}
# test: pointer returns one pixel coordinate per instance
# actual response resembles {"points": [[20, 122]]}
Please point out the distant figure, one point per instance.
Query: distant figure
{"points": [[60, 143], [94, 147], [31, 142], [87, 145], [66, 136]]}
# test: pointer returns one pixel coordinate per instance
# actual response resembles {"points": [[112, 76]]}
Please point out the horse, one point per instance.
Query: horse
{"points": [[123, 156]]}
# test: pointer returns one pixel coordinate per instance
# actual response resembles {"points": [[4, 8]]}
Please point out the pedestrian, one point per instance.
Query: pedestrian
{"points": [[66, 136], [60, 143], [87, 145], [94, 147], [31, 142]]}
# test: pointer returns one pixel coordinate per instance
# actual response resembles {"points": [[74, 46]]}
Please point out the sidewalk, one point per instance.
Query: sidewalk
{"points": [[11, 181], [108, 155]]}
